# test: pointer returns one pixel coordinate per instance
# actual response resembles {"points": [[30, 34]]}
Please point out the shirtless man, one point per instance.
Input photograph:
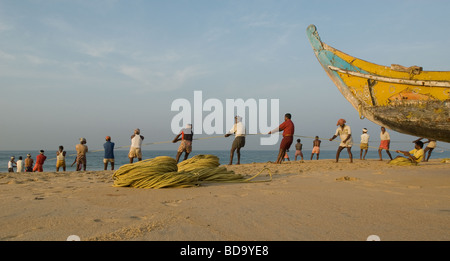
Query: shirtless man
{"points": [[316, 148], [298, 149], [29, 163], [81, 149]]}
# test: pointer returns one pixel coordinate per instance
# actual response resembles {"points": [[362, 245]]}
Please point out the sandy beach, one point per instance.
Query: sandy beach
{"points": [[311, 200]]}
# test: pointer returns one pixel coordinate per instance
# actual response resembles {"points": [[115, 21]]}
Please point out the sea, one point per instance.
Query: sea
{"points": [[95, 159]]}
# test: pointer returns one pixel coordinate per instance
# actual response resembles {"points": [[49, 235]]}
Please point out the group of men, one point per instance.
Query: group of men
{"points": [[344, 132], [186, 137], [27, 164]]}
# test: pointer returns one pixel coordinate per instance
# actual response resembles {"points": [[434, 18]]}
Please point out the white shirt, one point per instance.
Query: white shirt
{"points": [[365, 138], [10, 165], [343, 134], [238, 129], [20, 166], [136, 141], [384, 136]]}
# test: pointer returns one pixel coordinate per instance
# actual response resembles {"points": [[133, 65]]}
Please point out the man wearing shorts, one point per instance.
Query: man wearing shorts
{"points": [[61, 159], [81, 149], [135, 148], [239, 140], [298, 149], [28, 163], [109, 153], [385, 141], [187, 135], [345, 133], [288, 136], [364, 145], [316, 148]]}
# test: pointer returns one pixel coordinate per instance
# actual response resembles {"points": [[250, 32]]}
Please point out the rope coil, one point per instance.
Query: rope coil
{"points": [[164, 172]]}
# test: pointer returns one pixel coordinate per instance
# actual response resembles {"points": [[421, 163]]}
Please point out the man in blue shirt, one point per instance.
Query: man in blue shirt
{"points": [[109, 153]]}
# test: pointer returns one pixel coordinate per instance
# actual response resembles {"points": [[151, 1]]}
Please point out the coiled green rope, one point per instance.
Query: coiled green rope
{"points": [[163, 172]]}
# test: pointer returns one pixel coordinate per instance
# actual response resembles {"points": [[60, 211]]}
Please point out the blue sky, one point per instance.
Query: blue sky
{"points": [[71, 69]]}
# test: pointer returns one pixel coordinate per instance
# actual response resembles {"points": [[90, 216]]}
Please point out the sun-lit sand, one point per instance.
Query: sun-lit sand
{"points": [[311, 200]]}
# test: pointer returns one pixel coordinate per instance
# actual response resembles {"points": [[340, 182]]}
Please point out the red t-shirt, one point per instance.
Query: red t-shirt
{"points": [[287, 127], [40, 159]]}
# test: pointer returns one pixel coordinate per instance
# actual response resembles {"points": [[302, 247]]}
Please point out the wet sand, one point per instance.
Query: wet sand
{"points": [[311, 200]]}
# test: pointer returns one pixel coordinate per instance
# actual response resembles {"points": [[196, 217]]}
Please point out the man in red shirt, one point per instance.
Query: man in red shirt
{"points": [[288, 136], [39, 162]]}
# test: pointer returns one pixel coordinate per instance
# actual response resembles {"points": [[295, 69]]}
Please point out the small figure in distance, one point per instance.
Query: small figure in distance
{"points": [[135, 148], [109, 153], [316, 148]]}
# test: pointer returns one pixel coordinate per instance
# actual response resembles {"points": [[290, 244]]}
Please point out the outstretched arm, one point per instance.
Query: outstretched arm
{"points": [[177, 138]]}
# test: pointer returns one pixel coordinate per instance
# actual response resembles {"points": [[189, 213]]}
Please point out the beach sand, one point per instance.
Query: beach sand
{"points": [[313, 201]]}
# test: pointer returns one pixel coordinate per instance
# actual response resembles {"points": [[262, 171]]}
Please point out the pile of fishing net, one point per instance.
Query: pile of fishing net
{"points": [[401, 161], [164, 172]]}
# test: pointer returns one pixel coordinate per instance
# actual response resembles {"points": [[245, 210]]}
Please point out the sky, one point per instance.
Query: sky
{"points": [[91, 68]]}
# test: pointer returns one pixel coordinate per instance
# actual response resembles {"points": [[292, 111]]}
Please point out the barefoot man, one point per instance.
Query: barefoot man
{"points": [[187, 135], [135, 148], [239, 140], [385, 141], [288, 136], [345, 133], [81, 149]]}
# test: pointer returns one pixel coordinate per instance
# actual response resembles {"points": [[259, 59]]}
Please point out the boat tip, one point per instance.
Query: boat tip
{"points": [[311, 28]]}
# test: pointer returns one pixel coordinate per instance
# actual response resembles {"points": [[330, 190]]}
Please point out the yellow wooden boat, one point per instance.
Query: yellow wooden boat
{"points": [[405, 99]]}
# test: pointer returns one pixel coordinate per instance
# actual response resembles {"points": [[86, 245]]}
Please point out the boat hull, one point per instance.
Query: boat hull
{"points": [[405, 99]]}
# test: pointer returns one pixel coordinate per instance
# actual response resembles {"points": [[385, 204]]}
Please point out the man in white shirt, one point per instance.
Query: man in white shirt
{"points": [[364, 144], [345, 133], [20, 165], [385, 141], [239, 141], [135, 148]]}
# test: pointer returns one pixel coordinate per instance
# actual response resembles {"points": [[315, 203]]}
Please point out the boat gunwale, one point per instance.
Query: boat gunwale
{"points": [[422, 83], [335, 51]]}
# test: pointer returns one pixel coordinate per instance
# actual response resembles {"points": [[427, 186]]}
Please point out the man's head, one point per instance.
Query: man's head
{"points": [[419, 145], [41, 151], [298, 140], [364, 130], [28, 155], [108, 138], [287, 116], [137, 131], [61, 147], [317, 137], [237, 119], [383, 129], [82, 141], [341, 122]]}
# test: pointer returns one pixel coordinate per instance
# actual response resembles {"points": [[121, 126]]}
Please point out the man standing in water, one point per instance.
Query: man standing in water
{"points": [[345, 133], [135, 148], [288, 136], [239, 141]]}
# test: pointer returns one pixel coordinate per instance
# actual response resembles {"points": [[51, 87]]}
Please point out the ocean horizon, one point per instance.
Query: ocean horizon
{"points": [[95, 158]]}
